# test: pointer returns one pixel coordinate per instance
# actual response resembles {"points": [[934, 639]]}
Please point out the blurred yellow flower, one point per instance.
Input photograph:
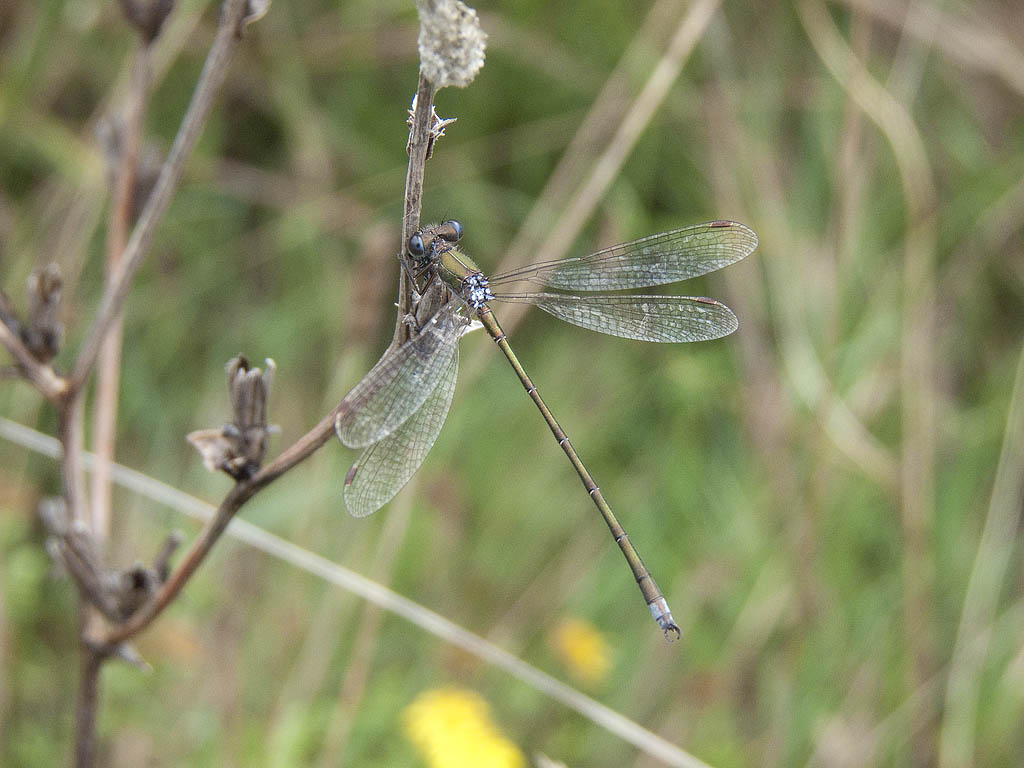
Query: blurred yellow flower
{"points": [[452, 728], [582, 649]]}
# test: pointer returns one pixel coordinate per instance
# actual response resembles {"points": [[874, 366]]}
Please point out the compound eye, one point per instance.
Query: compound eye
{"points": [[416, 247], [456, 231]]}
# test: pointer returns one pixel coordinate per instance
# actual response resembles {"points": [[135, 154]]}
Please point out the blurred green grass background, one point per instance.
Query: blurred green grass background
{"points": [[770, 479]]}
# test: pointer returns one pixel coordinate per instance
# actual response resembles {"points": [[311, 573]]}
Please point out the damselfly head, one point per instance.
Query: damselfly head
{"points": [[430, 239]]}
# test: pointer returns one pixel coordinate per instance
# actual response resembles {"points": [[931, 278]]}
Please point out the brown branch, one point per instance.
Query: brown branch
{"points": [[108, 371], [70, 415], [210, 81], [298, 452], [85, 706], [419, 146], [70, 433]]}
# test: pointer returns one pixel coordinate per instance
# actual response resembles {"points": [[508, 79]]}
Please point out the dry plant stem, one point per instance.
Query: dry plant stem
{"points": [[418, 147], [109, 364], [70, 432], [419, 144], [212, 77], [86, 706], [71, 415]]}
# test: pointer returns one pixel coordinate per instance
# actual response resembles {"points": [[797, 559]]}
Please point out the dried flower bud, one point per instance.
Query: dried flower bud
{"points": [[44, 332], [451, 42], [73, 548], [132, 588], [238, 448], [116, 594]]}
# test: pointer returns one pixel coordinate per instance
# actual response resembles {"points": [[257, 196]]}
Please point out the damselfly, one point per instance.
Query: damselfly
{"points": [[396, 412]]}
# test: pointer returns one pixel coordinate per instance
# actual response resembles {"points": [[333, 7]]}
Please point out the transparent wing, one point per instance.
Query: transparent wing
{"points": [[655, 260], [646, 318], [400, 382], [385, 467]]}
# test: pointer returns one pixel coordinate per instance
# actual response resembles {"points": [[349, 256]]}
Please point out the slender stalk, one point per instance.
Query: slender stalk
{"points": [[70, 432], [108, 371], [86, 706], [419, 145]]}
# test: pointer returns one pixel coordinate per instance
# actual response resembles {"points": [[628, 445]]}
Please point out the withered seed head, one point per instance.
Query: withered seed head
{"points": [[238, 448]]}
